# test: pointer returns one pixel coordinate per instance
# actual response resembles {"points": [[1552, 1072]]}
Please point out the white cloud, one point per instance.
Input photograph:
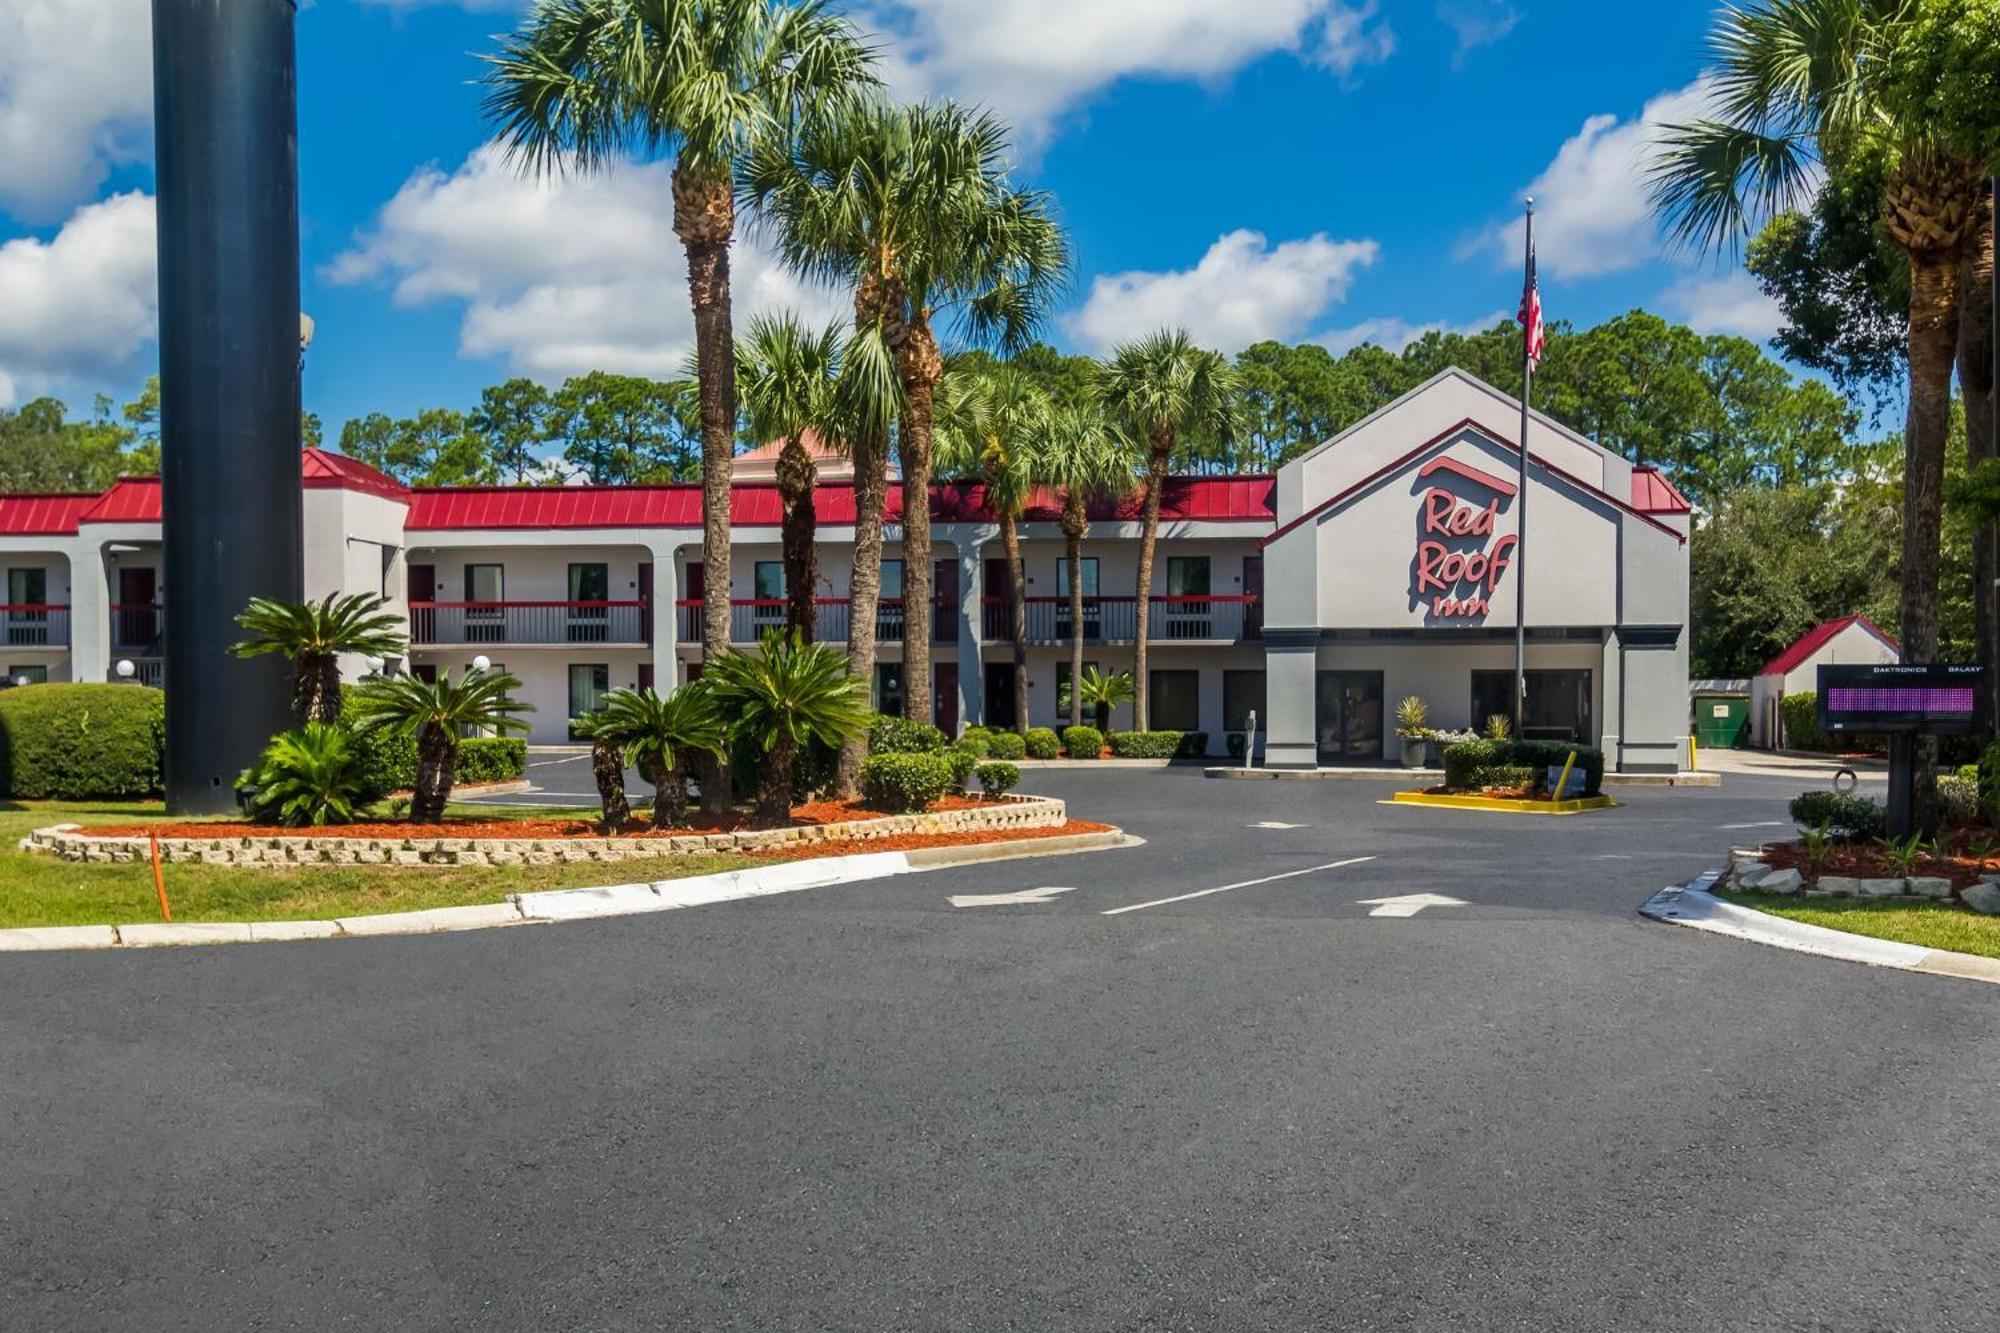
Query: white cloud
{"points": [[1476, 23], [558, 275], [1729, 303], [1031, 60], [78, 307], [76, 98], [1393, 333], [1243, 290], [1592, 211]]}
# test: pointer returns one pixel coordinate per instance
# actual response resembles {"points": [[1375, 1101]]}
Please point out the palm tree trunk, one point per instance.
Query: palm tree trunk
{"points": [[316, 688], [774, 784], [1149, 539], [1017, 599], [871, 486], [705, 221], [437, 761], [1933, 342], [797, 475], [921, 366], [1975, 383], [670, 792], [607, 769], [1073, 530]]}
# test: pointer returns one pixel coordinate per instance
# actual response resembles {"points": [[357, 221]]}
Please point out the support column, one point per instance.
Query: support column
{"points": [[226, 124], [89, 614], [1291, 693], [1611, 692], [666, 614], [971, 545]]}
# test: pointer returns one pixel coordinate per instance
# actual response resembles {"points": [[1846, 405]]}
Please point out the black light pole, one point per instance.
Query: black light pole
{"points": [[225, 105]]}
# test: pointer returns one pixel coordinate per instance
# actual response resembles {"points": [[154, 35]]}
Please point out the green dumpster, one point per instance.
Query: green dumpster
{"points": [[1721, 722]]}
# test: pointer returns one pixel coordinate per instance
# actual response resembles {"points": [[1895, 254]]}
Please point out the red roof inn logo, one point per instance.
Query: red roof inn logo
{"points": [[1458, 562]]}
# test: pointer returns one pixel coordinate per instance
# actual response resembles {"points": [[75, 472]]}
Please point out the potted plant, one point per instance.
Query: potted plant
{"points": [[1413, 725]]}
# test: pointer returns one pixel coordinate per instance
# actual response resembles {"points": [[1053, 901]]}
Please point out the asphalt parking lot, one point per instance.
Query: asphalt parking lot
{"points": [[1127, 1107]]}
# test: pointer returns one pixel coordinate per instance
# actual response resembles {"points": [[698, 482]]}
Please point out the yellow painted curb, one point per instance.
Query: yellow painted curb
{"points": [[1503, 804]]}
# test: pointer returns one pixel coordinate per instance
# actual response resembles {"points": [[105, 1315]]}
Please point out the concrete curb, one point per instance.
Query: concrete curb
{"points": [[1692, 905], [1398, 774], [554, 905]]}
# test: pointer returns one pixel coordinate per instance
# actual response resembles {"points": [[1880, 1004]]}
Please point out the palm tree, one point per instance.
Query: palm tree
{"points": [[913, 206], [314, 635], [1167, 394], [583, 81], [1803, 83], [785, 697], [790, 383], [983, 425], [661, 733], [1104, 693], [1079, 456], [436, 713], [607, 770]]}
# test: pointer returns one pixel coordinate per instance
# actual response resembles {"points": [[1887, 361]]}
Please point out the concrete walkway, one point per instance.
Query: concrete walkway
{"points": [[1789, 764]]}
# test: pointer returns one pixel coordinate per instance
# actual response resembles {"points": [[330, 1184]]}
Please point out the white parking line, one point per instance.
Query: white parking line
{"points": [[550, 763], [1246, 884]]}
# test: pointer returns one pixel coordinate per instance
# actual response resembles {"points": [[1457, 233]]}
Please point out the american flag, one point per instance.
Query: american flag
{"points": [[1531, 312]]}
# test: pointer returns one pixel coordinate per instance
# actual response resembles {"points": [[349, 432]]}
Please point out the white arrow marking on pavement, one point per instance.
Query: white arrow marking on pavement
{"points": [[1766, 823], [1246, 884], [1410, 904], [1273, 823], [1024, 897]]}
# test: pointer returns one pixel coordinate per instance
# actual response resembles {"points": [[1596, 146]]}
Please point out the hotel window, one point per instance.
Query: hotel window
{"points": [[589, 583], [589, 682], [34, 673], [1243, 694], [1093, 610], [1173, 701], [486, 584], [27, 591], [889, 688], [1187, 577], [1558, 704], [768, 588], [889, 613], [1062, 691]]}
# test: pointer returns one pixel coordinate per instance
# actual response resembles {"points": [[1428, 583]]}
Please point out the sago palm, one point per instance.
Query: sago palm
{"points": [[308, 776], [1803, 84], [662, 733], [913, 206], [607, 770], [1077, 454], [983, 426], [584, 82], [790, 378], [1168, 395], [435, 713], [1104, 693], [314, 635], [782, 698]]}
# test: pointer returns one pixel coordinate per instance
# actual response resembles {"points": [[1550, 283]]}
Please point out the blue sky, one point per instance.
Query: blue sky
{"points": [[1298, 169]]}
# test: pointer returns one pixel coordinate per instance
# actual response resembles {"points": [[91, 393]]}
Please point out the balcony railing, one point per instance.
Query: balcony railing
{"points": [[1231, 619], [433, 624], [749, 617], [138, 629], [34, 625]]}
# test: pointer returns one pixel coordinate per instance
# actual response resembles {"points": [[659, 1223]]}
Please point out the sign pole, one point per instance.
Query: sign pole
{"points": [[1521, 510]]}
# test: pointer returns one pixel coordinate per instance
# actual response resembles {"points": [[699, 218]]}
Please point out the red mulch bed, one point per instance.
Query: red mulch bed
{"points": [[641, 826], [1860, 860]]}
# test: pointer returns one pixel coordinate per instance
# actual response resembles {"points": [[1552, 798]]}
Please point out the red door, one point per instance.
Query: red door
{"points": [[1253, 586], [944, 696], [994, 593], [645, 675], [697, 588], [646, 603], [423, 581], [138, 617], [944, 602]]}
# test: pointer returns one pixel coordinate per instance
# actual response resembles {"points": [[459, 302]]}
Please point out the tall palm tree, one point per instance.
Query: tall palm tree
{"points": [[1799, 83], [582, 82], [436, 713], [1975, 386], [1167, 394], [913, 205], [661, 733], [786, 697], [790, 382], [314, 635], [984, 422], [1078, 454]]}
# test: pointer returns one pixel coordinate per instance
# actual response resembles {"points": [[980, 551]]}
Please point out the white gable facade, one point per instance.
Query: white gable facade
{"points": [[1396, 564]]}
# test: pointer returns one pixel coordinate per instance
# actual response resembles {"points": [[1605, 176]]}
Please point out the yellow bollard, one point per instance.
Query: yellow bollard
{"points": [[1694, 756], [1562, 783]]}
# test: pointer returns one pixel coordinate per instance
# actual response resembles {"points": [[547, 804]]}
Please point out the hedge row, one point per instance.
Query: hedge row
{"points": [[1464, 760], [82, 742], [389, 761], [1158, 744]]}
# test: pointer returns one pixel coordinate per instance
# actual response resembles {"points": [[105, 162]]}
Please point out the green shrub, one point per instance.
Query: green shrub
{"points": [[310, 776], [1958, 799], [901, 735], [974, 743], [1158, 744], [1040, 743], [1507, 776], [81, 742], [1801, 717], [997, 777], [812, 768], [1464, 759], [1854, 817], [961, 761], [1009, 745], [976, 730], [1083, 742], [386, 761], [492, 759], [1989, 782], [904, 783]]}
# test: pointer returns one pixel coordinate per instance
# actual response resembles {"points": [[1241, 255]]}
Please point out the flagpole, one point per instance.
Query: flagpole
{"points": [[1521, 503]]}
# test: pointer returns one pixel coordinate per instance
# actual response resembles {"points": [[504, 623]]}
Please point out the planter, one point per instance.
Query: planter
{"points": [[1416, 749]]}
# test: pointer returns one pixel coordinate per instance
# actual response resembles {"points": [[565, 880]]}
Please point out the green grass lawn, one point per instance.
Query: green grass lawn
{"points": [[1927, 925], [38, 890]]}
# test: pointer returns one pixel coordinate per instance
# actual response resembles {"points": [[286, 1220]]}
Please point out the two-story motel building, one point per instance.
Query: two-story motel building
{"points": [[1380, 564]]}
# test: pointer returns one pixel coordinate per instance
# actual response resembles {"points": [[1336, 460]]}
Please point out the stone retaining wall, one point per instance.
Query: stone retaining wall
{"points": [[73, 843]]}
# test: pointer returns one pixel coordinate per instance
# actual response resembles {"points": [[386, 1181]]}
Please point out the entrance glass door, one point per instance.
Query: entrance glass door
{"points": [[1350, 716]]}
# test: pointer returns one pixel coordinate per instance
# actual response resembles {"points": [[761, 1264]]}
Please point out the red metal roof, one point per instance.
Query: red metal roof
{"points": [[42, 515], [1817, 638], [322, 469], [1652, 493], [130, 500], [1212, 499]]}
